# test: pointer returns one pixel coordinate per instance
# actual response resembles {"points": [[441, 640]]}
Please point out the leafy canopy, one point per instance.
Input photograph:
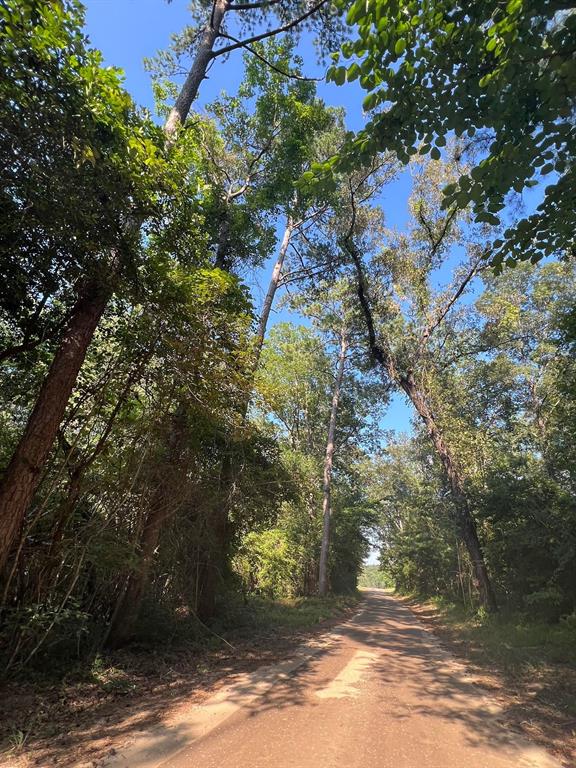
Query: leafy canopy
{"points": [[501, 73]]}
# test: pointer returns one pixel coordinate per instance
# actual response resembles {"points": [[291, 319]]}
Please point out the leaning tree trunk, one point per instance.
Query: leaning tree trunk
{"points": [[197, 73], [464, 520], [128, 607], [77, 472], [23, 474], [328, 461]]}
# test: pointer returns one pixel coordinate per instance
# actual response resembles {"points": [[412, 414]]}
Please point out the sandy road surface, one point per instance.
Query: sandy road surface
{"points": [[380, 694]]}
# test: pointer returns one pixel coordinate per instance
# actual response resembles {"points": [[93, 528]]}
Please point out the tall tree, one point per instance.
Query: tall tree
{"points": [[113, 155], [332, 309], [25, 29], [407, 359], [261, 140], [328, 464], [295, 394], [503, 358]]}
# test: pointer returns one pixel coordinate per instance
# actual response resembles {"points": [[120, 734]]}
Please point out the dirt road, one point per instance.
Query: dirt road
{"points": [[380, 694]]}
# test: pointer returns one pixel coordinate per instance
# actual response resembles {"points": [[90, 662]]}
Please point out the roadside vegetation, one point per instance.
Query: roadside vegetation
{"points": [[80, 712], [180, 465], [528, 665]]}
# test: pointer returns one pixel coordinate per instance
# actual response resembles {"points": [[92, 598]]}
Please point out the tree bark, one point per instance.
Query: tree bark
{"points": [[328, 462], [271, 293], [464, 520], [23, 474], [463, 516], [197, 73]]}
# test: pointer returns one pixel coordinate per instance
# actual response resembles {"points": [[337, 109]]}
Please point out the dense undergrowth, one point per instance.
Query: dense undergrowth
{"points": [[515, 642], [54, 713], [239, 621]]}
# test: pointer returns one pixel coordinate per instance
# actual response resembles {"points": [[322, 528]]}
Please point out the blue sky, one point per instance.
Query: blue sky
{"points": [[127, 31]]}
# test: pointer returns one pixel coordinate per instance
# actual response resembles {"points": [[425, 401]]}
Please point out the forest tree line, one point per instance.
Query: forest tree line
{"points": [[164, 444]]}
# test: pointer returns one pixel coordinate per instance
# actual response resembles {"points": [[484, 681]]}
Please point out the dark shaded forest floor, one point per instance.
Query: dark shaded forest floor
{"points": [[529, 669], [81, 718]]}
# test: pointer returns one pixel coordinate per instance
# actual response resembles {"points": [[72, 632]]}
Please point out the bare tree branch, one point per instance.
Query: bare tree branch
{"points": [[270, 33], [250, 6], [441, 314], [268, 63]]}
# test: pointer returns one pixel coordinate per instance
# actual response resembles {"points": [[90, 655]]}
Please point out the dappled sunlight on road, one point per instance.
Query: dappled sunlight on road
{"points": [[378, 691]]}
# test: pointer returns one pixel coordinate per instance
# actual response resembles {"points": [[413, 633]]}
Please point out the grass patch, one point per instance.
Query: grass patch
{"points": [[511, 641], [301, 612]]}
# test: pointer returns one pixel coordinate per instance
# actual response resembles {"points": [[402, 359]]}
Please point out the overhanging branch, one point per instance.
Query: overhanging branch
{"points": [[269, 33], [268, 63]]}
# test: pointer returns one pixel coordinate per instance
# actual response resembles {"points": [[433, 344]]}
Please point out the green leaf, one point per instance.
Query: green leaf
{"points": [[370, 101], [400, 46], [353, 72], [513, 6], [339, 76], [488, 218], [356, 12]]}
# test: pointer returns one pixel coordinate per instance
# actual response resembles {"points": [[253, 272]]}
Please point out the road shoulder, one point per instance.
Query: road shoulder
{"points": [[81, 724], [533, 699]]}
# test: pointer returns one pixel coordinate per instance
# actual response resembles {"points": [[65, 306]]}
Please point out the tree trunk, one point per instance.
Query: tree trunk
{"points": [[197, 73], [128, 607], [328, 461], [464, 520], [271, 293], [163, 504], [24, 472]]}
